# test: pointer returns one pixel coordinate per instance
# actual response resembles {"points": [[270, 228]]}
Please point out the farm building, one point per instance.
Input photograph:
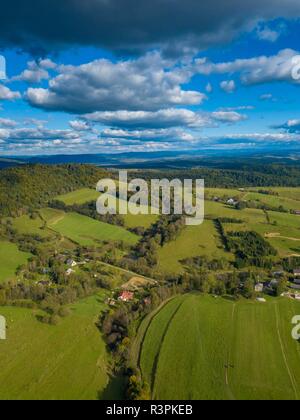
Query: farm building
{"points": [[126, 296], [297, 212], [69, 272], [297, 273]]}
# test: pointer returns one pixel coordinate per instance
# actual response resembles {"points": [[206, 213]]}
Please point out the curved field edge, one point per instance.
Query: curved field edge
{"points": [[219, 349], [63, 362]]}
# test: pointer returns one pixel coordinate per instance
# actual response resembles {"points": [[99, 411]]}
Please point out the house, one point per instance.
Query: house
{"points": [[297, 273], [259, 287], [111, 302], [69, 272], [297, 212], [126, 296], [297, 281], [273, 284], [71, 263], [231, 202]]}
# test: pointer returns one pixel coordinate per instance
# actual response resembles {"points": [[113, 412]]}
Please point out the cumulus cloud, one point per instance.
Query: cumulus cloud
{"points": [[291, 126], [35, 73], [257, 70], [165, 118], [79, 125], [147, 83], [133, 24], [228, 86], [8, 95]]}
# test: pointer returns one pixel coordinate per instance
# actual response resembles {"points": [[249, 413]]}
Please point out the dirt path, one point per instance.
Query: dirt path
{"points": [[292, 379]]}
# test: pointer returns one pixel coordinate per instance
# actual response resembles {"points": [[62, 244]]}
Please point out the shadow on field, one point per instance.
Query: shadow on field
{"points": [[115, 389]]}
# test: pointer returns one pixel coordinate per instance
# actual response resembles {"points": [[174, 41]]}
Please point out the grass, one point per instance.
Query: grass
{"points": [[86, 231], [10, 259], [25, 225], [252, 339], [273, 201], [81, 196], [192, 242], [67, 361]]}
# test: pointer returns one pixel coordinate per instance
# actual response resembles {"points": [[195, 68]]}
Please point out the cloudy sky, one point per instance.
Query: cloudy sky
{"points": [[108, 76]]}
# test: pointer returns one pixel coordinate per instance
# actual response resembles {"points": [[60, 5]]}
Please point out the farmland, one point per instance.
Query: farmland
{"points": [[10, 259], [79, 196], [228, 350], [86, 231], [192, 242], [66, 361]]}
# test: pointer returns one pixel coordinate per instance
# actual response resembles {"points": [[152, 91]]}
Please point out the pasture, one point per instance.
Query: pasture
{"points": [[25, 225], [81, 196], [193, 241], [86, 231], [10, 259], [67, 361], [214, 348]]}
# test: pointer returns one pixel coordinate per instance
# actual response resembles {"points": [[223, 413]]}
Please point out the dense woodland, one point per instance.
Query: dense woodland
{"points": [[29, 187]]}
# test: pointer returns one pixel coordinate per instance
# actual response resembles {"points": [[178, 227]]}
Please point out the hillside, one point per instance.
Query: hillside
{"points": [[211, 348]]}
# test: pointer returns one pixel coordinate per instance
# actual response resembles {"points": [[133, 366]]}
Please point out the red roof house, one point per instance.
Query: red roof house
{"points": [[126, 296]]}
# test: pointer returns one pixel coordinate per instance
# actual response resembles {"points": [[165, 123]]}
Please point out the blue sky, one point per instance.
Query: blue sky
{"points": [[233, 85]]}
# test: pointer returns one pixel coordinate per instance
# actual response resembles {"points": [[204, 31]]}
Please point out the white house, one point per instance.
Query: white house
{"points": [[259, 287], [69, 272]]}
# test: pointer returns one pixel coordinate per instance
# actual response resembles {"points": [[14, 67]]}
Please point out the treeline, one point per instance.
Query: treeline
{"points": [[29, 187], [165, 230], [251, 249], [256, 175]]}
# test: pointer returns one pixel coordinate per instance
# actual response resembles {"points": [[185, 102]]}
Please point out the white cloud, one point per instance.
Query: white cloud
{"points": [[230, 117], [148, 83], [228, 86], [165, 118], [267, 34], [7, 123], [7, 94], [256, 70], [35, 73], [79, 125]]}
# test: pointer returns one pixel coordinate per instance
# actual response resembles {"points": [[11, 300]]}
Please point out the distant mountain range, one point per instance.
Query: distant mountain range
{"points": [[161, 160]]}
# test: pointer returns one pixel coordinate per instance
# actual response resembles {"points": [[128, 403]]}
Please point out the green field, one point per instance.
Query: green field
{"points": [[86, 231], [79, 197], [10, 259], [199, 347], [25, 225], [192, 242], [67, 361]]}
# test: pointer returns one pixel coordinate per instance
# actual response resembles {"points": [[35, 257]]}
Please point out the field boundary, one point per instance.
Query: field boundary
{"points": [[284, 354], [156, 360]]}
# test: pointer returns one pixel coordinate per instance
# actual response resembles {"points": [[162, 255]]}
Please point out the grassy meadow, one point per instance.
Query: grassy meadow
{"points": [[192, 242], [86, 231], [81, 196], [67, 361], [10, 259], [228, 350]]}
